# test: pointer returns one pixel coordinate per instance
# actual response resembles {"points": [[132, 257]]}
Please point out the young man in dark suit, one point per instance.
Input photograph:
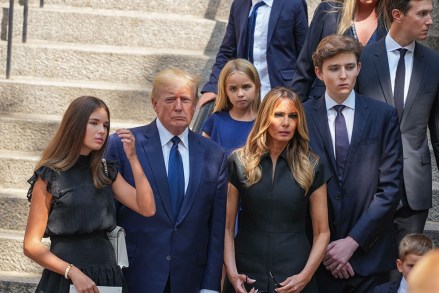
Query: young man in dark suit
{"points": [[278, 33], [403, 73], [358, 140], [180, 248]]}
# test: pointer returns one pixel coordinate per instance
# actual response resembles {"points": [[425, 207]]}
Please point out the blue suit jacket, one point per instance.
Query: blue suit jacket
{"points": [[421, 111], [363, 204], [188, 249], [287, 28], [324, 23]]}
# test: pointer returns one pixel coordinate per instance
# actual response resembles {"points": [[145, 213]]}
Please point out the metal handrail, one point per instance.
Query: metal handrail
{"points": [[11, 28], [9, 48], [201, 116], [25, 14]]}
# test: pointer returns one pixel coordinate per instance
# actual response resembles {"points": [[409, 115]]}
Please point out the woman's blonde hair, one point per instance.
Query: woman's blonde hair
{"points": [[64, 148], [349, 9], [241, 66], [300, 158]]}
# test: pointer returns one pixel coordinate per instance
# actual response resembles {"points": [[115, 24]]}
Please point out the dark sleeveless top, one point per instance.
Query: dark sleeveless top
{"points": [[78, 221]]}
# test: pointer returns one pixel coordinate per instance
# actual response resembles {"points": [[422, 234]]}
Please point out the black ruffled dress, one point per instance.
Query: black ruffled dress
{"points": [[80, 217]]}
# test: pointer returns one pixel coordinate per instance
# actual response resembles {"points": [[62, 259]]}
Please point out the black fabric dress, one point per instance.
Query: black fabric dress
{"points": [[272, 233], [77, 225]]}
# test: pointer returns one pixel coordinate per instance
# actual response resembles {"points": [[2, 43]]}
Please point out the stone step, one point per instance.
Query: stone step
{"points": [[18, 282], [52, 97], [212, 9], [14, 209], [11, 254], [77, 62], [120, 28], [432, 230], [17, 167], [32, 132]]}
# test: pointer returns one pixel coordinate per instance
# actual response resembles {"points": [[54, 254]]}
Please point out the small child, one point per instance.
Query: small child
{"points": [[411, 249], [236, 105]]}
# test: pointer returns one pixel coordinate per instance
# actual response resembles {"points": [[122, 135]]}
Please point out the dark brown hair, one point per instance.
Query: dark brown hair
{"points": [[64, 148], [334, 45]]}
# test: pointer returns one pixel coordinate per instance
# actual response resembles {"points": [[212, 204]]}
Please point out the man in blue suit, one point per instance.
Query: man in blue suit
{"points": [[416, 99], [180, 248], [279, 32], [358, 140]]}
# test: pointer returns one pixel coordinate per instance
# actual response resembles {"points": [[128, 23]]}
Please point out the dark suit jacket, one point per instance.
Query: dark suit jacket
{"points": [[324, 23], [421, 111], [189, 249], [287, 28], [363, 204], [390, 287]]}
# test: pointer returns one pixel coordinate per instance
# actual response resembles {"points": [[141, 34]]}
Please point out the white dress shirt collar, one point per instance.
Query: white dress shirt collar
{"points": [[392, 45], [166, 136], [403, 286], [349, 102], [267, 2]]}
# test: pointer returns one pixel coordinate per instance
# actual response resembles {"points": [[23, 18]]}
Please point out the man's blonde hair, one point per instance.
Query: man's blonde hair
{"points": [[172, 77]]}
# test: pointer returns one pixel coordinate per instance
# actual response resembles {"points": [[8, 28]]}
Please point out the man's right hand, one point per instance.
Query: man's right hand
{"points": [[206, 97]]}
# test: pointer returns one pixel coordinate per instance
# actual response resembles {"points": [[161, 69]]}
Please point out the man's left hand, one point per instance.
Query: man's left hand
{"points": [[338, 253]]}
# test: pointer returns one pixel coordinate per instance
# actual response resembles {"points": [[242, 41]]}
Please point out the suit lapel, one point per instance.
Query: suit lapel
{"points": [[154, 154], [243, 12], [274, 15], [320, 118], [360, 120], [196, 152], [382, 68], [415, 81]]}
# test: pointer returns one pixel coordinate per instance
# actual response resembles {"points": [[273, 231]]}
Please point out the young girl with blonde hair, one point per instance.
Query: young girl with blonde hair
{"points": [[236, 105]]}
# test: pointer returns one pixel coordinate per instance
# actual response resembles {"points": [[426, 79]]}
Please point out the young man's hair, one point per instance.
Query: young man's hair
{"points": [[334, 45], [418, 244], [401, 5]]}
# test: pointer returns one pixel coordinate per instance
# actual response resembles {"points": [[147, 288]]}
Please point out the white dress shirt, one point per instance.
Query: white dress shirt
{"points": [[260, 44], [183, 147], [348, 113], [403, 288], [393, 58]]}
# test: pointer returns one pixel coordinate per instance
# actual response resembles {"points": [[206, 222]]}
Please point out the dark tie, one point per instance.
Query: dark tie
{"points": [[398, 91], [251, 30], [175, 176], [341, 141]]}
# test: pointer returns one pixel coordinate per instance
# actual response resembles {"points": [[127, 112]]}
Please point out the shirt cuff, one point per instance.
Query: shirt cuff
{"points": [[208, 291]]}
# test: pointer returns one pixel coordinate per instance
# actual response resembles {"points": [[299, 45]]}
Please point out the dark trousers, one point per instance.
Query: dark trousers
{"points": [[357, 284], [408, 221]]}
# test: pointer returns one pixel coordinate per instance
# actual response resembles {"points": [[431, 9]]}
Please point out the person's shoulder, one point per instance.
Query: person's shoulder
{"points": [[374, 48], [376, 105], [205, 142], [433, 55], [328, 7], [310, 104], [220, 115]]}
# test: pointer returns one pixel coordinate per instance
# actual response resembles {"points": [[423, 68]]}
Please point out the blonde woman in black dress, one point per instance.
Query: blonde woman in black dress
{"points": [[72, 202], [278, 180]]}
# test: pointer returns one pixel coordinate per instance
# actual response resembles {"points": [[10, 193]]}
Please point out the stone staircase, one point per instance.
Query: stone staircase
{"points": [[107, 48], [111, 49]]}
